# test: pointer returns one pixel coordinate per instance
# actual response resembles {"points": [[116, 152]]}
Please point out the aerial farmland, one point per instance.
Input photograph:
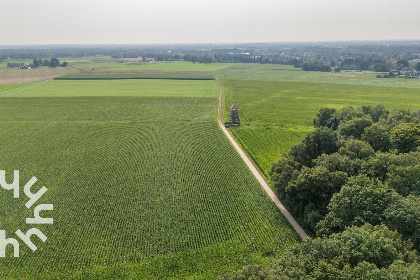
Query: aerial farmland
{"points": [[144, 184], [131, 173]]}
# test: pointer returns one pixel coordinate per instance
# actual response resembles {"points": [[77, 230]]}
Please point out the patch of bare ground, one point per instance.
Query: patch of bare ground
{"points": [[17, 76], [340, 75]]}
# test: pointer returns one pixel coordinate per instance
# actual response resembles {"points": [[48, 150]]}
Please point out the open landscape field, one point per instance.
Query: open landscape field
{"points": [[106, 64], [277, 104], [144, 183], [17, 76], [123, 75]]}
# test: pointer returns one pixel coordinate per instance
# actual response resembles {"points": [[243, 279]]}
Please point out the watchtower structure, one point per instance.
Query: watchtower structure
{"points": [[234, 117]]}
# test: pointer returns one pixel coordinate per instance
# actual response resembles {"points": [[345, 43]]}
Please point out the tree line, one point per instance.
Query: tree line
{"points": [[53, 62], [354, 185], [377, 56]]}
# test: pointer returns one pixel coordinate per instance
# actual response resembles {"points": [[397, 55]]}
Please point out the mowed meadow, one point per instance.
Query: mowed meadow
{"points": [[277, 104], [144, 183]]}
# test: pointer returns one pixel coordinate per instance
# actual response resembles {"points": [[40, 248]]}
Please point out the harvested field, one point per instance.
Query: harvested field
{"points": [[17, 76]]}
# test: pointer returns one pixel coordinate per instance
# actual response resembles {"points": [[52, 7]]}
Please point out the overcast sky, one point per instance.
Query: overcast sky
{"points": [[205, 21]]}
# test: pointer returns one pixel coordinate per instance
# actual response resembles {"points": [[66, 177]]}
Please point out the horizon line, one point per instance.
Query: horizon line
{"points": [[215, 43]]}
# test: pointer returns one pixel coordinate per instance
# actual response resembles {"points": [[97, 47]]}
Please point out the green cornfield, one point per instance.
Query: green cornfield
{"points": [[143, 181], [277, 103], [139, 75]]}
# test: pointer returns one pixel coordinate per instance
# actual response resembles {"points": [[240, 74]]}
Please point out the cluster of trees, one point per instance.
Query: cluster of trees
{"points": [[349, 142], [365, 252], [53, 62], [354, 184], [315, 66]]}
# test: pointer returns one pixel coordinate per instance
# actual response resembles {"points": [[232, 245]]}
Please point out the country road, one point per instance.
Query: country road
{"points": [[254, 171]]}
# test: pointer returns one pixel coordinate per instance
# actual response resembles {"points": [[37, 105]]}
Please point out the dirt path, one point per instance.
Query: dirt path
{"points": [[254, 171]]}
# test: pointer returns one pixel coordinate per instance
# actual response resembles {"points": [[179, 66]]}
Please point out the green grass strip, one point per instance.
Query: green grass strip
{"points": [[135, 76]]}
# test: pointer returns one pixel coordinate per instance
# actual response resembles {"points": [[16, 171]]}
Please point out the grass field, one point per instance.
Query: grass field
{"points": [[144, 183], [108, 64], [199, 75], [277, 104], [152, 88], [8, 87], [285, 73]]}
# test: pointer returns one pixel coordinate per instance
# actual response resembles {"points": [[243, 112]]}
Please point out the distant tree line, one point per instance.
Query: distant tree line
{"points": [[376, 56], [53, 62], [354, 185], [315, 66]]}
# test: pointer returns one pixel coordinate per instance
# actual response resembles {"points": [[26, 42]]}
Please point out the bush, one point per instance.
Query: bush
{"points": [[365, 252], [348, 113], [403, 215], [310, 193], [379, 165], [357, 149], [406, 137], [282, 173], [354, 128], [378, 137], [362, 200], [404, 179], [326, 117], [321, 141], [339, 162]]}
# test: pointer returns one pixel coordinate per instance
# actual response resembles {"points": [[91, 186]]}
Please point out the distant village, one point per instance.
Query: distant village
{"points": [[411, 70], [406, 73], [18, 65]]}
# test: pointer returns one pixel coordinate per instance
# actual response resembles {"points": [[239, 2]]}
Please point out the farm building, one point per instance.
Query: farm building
{"points": [[234, 117]]}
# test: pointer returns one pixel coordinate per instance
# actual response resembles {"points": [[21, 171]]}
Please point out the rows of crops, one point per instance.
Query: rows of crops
{"points": [[137, 75], [142, 186], [277, 104], [8, 87], [130, 87], [102, 64], [285, 73]]}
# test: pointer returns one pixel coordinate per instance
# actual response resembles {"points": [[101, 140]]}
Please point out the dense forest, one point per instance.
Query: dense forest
{"points": [[354, 185]]}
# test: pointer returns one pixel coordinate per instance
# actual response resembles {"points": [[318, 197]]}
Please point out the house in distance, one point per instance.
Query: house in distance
{"points": [[234, 117]]}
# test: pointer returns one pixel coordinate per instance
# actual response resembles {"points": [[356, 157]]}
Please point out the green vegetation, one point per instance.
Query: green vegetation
{"points": [[317, 167], [138, 75], [357, 253], [4, 88], [155, 88], [277, 103], [363, 203], [284, 73], [144, 183], [109, 64]]}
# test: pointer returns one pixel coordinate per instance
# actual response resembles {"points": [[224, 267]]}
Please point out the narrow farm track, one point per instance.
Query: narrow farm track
{"points": [[254, 171]]}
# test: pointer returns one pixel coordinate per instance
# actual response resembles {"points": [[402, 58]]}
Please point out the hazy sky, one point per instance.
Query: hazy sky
{"points": [[204, 21]]}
